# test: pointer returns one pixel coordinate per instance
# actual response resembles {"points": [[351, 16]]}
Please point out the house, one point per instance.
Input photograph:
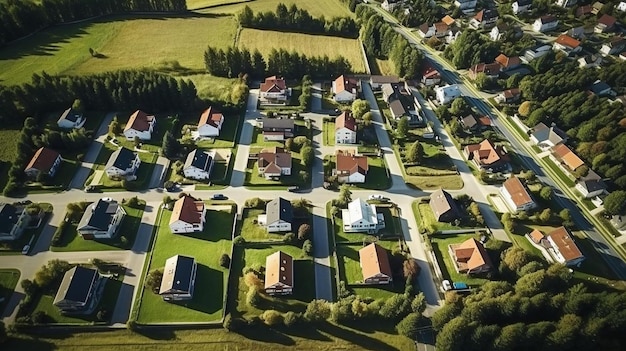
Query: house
{"points": [[447, 93], [567, 157], [537, 52], [470, 123], [345, 89], [466, 6], [579, 32], [44, 161], [498, 31], [443, 206], [179, 278], [198, 164], [13, 221], [374, 263], [597, 7], [545, 23], [362, 217], [453, 35], [401, 102], [591, 185], [210, 123], [101, 219], [566, 3], [606, 23], [274, 91], [567, 44], [188, 215], [122, 163], [509, 96], [438, 30], [350, 168], [590, 61], [508, 62], [484, 18], [621, 6], [600, 88], [537, 236], [491, 70], [547, 137], [615, 46], [470, 257], [430, 75], [448, 20], [516, 195], [71, 119], [345, 129], [277, 129], [563, 247], [140, 125], [377, 81], [79, 291], [274, 162], [583, 11], [487, 156], [278, 216], [279, 274], [520, 6]]}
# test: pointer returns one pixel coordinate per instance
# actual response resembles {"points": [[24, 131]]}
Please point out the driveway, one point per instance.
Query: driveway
{"points": [[245, 138], [78, 182]]}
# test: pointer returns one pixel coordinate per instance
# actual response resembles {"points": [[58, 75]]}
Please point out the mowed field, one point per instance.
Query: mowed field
{"points": [[328, 8], [310, 45], [125, 43]]}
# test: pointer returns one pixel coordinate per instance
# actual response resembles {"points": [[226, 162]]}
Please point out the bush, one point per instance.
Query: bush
{"points": [[307, 247], [133, 202], [304, 231], [153, 281], [409, 325], [253, 297], [317, 311], [29, 286], [102, 314], [224, 261], [291, 319], [40, 317], [51, 272], [239, 240], [58, 233], [418, 305], [395, 307], [272, 317], [232, 323], [289, 238], [255, 203], [252, 281]]}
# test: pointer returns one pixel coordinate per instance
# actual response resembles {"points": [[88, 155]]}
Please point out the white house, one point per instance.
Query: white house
{"points": [[101, 220], [498, 31], [122, 163], [44, 161], [516, 195], [545, 23], [274, 162], [621, 6], [614, 46], [447, 93], [590, 61], [274, 91], [198, 164], [279, 274], [484, 18], [345, 129], [140, 125], [188, 215], [345, 89], [537, 52], [13, 221], [547, 137], [567, 45], [350, 168], [179, 278], [71, 119], [210, 123], [591, 185], [521, 6], [278, 216], [563, 247], [361, 217]]}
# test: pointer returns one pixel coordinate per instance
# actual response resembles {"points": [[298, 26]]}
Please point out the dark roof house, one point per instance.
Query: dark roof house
{"points": [[443, 206], [77, 292]]}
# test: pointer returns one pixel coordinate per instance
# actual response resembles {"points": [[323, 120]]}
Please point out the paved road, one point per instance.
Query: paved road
{"points": [[245, 138]]}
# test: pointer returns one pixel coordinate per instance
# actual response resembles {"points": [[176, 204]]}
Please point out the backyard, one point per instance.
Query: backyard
{"points": [[252, 231], [8, 282], [425, 218], [211, 279], [377, 177], [392, 227]]}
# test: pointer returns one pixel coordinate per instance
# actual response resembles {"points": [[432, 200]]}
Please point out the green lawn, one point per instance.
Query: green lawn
{"points": [[440, 245], [211, 279], [252, 231], [72, 241], [227, 136], [126, 42], [426, 218], [253, 179], [558, 171], [376, 178], [329, 133], [304, 280], [307, 44], [8, 282]]}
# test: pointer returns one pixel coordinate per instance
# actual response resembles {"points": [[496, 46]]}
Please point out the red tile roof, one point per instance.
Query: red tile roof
{"points": [[273, 84], [188, 210], [349, 163], [343, 83], [471, 255], [506, 61], [43, 160], [517, 191], [345, 120], [210, 116], [567, 156], [374, 260], [139, 121], [607, 20], [565, 244], [486, 153], [568, 41]]}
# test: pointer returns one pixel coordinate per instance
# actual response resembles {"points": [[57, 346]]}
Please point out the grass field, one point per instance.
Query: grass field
{"points": [[329, 133], [8, 282], [211, 87], [252, 231], [310, 45], [211, 279], [327, 8], [125, 42], [426, 218]]}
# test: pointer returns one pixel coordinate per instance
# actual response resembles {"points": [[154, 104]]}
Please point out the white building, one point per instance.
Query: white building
{"points": [[466, 5], [101, 220], [521, 6], [447, 93], [71, 119], [122, 163], [179, 278], [345, 89], [13, 221], [278, 216], [345, 129], [210, 123], [621, 6], [516, 195], [140, 125], [188, 216], [563, 247], [350, 168], [361, 217], [545, 24], [198, 164], [591, 185], [274, 91]]}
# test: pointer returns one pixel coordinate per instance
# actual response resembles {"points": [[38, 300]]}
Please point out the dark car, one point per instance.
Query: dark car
{"points": [[219, 197], [335, 112], [294, 189]]}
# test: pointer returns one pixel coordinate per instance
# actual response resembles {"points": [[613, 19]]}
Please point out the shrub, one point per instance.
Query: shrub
{"points": [[40, 317], [304, 231], [418, 305], [224, 261], [409, 325], [253, 297], [253, 281], [29, 286], [307, 247], [133, 202], [232, 323], [124, 241], [317, 311], [289, 238], [272, 317], [255, 203], [239, 240], [395, 307], [153, 281], [291, 319]]}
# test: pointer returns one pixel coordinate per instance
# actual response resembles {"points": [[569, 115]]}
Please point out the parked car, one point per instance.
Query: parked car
{"points": [[293, 189], [335, 112], [219, 197], [377, 197], [25, 250], [446, 285]]}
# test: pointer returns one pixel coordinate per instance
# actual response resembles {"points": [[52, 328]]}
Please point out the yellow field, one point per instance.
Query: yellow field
{"points": [[310, 45], [317, 8]]}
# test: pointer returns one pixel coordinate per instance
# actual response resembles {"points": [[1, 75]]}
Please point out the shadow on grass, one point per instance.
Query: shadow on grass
{"points": [[217, 219], [22, 343], [361, 340], [304, 280], [268, 335], [306, 332], [157, 333], [208, 291]]}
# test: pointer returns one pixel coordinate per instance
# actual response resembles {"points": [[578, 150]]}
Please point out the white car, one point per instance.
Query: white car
{"points": [[376, 197], [446, 285]]}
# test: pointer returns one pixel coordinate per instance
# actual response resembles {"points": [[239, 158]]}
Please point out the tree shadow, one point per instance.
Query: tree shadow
{"points": [[157, 333], [306, 333], [21, 343], [265, 334], [364, 341]]}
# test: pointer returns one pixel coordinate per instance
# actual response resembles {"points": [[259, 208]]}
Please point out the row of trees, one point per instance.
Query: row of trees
{"points": [[382, 41], [235, 61], [126, 90], [19, 18], [298, 20], [470, 48]]}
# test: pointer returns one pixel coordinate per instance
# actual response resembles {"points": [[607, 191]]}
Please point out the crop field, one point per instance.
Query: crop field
{"points": [[328, 8], [310, 45], [169, 44]]}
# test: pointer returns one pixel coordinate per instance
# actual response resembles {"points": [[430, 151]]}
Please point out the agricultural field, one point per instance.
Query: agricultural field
{"points": [[310, 45], [317, 8], [123, 42]]}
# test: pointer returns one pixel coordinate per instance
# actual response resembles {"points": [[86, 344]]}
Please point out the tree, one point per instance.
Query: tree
{"points": [[409, 326], [566, 216], [170, 145], [359, 108], [317, 311], [345, 195], [307, 247], [545, 215], [453, 335], [546, 192], [114, 127], [397, 306], [29, 286], [308, 156], [367, 119], [272, 317], [459, 107], [615, 202], [482, 81], [78, 106], [291, 319], [402, 128], [304, 231], [415, 153], [410, 269], [524, 108], [418, 305], [507, 221], [252, 281], [224, 260]]}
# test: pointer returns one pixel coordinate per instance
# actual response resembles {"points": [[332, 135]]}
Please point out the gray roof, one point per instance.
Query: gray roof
{"points": [[441, 202], [98, 215], [70, 115], [273, 124], [524, 2], [121, 158], [542, 132], [600, 87], [397, 109], [8, 217], [76, 285], [592, 182], [469, 121], [178, 274], [279, 209], [199, 159]]}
